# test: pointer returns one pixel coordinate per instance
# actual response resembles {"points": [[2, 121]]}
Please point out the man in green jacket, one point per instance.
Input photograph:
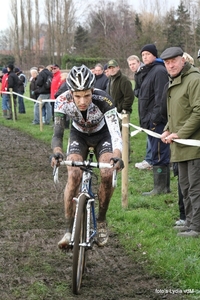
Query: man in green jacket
{"points": [[120, 88], [183, 112]]}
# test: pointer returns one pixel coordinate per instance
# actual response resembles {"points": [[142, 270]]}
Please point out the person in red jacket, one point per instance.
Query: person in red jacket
{"points": [[5, 97], [13, 81], [55, 84]]}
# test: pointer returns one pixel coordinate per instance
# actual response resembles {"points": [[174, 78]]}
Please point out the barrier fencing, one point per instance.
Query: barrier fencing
{"points": [[40, 101]]}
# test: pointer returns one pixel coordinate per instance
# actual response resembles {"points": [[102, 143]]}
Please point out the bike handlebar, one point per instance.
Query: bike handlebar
{"points": [[73, 163], [98, 165]]}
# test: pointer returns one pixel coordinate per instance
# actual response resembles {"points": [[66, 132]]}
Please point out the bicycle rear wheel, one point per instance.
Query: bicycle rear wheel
{"points": [[79, 251]]}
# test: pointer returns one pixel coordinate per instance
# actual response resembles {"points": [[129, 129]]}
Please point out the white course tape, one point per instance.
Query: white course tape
{"points": [[37, 101], [135, 132], [188, 142], [149, 132]]}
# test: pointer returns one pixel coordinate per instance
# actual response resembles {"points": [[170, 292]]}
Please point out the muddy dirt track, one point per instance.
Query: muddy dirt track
{"points": [[32, 222]]}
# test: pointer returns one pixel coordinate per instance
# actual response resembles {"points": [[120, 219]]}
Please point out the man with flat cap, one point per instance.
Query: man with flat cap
{"points": [[183, 113]]}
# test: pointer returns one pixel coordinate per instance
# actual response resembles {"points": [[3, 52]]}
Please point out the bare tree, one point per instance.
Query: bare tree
{"points": [[14, 30], [22, 31], [112, 30], [60, 16], [32, 40], [49, 11], [36, 41]]}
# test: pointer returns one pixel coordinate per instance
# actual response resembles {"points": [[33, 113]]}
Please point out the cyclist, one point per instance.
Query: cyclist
{"points": [[94, 124]]}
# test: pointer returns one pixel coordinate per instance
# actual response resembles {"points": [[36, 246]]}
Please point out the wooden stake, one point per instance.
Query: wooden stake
{"points": [[125, 158], [12, 104], [40, 113]]}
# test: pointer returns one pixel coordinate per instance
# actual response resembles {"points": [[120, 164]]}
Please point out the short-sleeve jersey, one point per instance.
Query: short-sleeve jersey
{"points": [[100, 112]]}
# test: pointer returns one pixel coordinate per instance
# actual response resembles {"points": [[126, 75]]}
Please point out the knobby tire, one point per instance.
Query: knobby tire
{"points": [[78, 251]]}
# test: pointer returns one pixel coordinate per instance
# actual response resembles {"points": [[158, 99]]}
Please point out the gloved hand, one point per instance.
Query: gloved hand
{"points": [[117, 163], [56, 158]]}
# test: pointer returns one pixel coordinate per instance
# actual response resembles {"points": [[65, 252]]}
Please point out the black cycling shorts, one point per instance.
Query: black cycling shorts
{"points": [[79, 142]]}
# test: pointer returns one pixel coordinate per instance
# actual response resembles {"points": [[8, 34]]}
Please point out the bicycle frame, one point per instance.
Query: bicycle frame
{"points": [[90, 233], [86, 188], [85, 225]]}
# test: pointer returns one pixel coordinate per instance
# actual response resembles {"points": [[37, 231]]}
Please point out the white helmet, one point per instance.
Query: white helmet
{"points": [[80, 79]]}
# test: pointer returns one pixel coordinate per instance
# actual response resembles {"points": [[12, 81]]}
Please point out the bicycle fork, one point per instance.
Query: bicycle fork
{"points": [[90, 232]]}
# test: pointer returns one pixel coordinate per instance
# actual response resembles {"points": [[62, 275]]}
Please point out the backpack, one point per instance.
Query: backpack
{"points": [[48, 82], [25, 81]]}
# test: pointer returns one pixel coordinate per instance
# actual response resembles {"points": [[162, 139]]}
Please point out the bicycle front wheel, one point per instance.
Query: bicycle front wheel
{"points": [[79, 251]]}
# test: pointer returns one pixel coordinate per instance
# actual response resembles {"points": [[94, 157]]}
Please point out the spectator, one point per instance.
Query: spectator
{"points": [[120, 89], [44, 93], [56, 83], [12, 84], [92, 70], [181, 220], [21, 90], [34, 89], [154, 79], [101, 79], [5, 97], [135, 66], [63, 88], [106, 71], [182, 217], [188, 58], [183, 107]]}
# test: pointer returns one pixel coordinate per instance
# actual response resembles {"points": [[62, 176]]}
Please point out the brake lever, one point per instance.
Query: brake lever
{"points": [[54, 170], [114, 178], [55, 174]]}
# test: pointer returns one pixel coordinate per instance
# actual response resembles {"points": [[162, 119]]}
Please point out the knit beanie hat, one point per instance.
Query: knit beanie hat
{"points": [[17, 70], [150, 48], [4, 71], [105, 67]]}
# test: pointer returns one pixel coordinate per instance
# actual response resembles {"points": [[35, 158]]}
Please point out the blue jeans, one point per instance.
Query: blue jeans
{"points": [[47, 107], [160, 151], [148, 156], [21, 106], [5, 102]]}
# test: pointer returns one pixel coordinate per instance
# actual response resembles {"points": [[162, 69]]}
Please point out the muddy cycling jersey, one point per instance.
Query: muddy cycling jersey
{"points": [[101, 111]]}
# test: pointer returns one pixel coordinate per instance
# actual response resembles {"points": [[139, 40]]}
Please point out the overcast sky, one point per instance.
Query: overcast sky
{"points": [[82, 4]]}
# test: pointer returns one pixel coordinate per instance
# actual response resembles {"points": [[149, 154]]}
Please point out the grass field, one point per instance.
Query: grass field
{"points": [[145, 228]]}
